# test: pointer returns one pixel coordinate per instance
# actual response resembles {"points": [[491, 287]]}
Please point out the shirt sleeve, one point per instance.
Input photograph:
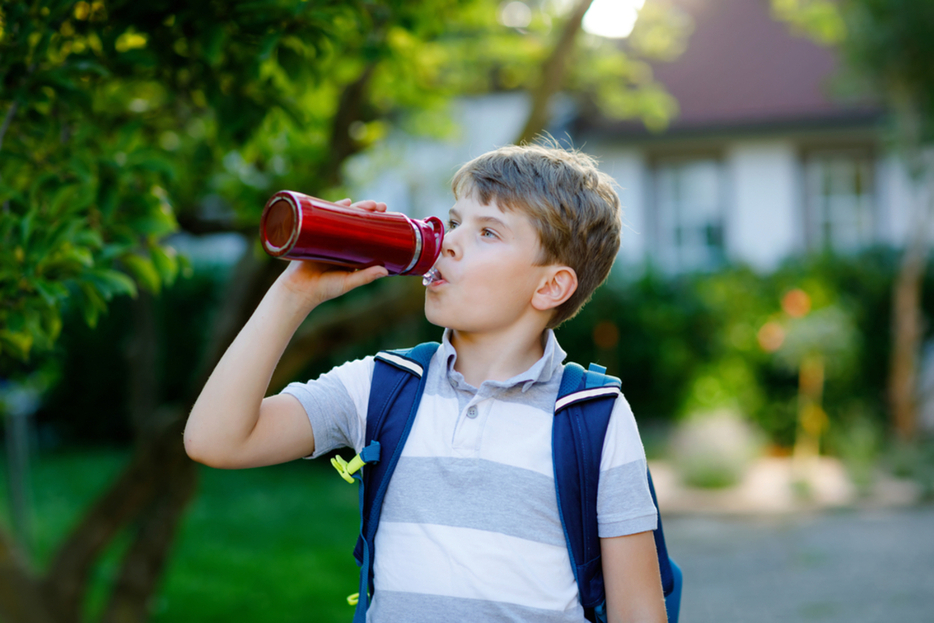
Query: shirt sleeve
{"points": [[336, 405], [624, 502]]}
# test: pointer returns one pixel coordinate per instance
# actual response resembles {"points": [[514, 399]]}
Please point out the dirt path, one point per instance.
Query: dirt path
{"points": [[844, 566]]}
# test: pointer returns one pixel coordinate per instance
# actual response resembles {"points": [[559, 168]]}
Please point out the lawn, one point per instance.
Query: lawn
{"points": [[271, 544]]}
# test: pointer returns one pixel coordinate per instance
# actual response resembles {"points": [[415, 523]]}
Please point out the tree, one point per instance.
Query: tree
{"points": [[119, 118], [888, 47], [891, 43]]}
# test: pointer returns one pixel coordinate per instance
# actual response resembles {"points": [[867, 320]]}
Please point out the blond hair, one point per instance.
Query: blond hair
{"points": [[572, 205]]}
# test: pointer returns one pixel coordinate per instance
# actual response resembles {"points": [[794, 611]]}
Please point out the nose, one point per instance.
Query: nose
{"points": [[449, 246]]}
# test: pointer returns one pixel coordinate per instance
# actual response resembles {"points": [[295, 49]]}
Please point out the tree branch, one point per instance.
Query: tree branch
{"points": [[348, 324], [349, 110], [553, 72]]}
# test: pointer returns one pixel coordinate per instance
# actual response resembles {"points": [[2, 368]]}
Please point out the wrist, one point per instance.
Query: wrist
{"points": [[294, 304]]}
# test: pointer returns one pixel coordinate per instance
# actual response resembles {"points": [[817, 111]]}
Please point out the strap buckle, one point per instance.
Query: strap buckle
{"points": [[347, 469]]}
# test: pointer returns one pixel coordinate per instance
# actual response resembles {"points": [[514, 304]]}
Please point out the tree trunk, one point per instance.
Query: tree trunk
{"points": [[906, 343], [144, 562], [553, 72], [20, 599], [908, 318], [152, 491], [142, 355]]}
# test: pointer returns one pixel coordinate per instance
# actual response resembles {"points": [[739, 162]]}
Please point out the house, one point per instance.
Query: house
{"points": [[763, 161]]}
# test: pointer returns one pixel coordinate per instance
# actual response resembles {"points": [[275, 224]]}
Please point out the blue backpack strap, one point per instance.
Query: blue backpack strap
{"points": [[396, 391], [582, 413]]}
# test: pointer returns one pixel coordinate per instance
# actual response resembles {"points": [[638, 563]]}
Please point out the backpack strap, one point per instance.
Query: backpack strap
{"points": [[577, 444], [582, 413], [396, 391]]}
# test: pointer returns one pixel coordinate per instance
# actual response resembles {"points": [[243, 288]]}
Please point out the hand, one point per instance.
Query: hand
{"points": [[317, 282]]}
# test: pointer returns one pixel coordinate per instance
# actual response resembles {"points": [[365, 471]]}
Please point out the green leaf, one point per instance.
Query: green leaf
{"points": [[80, 168], [156, 223], [146, 161], [91, 304], [88, 238], [19, 343], [63, 198], [186, 268], [164, 259], [25, 226], [145, 272], [51, 291], [112, 282], [90, 67], [67, 260]]}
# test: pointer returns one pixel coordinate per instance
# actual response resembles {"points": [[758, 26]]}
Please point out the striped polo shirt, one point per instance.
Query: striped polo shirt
{"points": [[470, 527]]}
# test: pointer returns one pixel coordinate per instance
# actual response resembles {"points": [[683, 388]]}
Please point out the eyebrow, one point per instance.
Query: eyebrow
{"points": [[482, 219]]}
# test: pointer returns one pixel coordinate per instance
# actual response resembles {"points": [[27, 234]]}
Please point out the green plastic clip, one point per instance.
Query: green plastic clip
{"points": [[345, 469]]}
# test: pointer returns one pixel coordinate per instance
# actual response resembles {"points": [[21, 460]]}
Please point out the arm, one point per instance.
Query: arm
{"points": [[632, 580], [231, 424]]}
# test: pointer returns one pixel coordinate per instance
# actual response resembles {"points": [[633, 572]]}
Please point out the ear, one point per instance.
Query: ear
{"points": [[559, 284]]}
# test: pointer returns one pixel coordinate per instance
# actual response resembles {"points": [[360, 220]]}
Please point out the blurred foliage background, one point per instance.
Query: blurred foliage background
{"points": [[130, 130]]}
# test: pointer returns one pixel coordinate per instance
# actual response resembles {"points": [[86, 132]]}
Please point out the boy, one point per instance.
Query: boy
{"points": [[469, 529]]}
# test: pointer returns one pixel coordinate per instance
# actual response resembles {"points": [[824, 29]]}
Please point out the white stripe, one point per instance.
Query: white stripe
{"points": [[509, 433], [585, 395], [457, 562], [400, 361]]}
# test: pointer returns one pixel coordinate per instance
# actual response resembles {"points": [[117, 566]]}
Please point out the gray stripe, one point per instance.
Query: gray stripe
{"points": [[396, 607], [474, 493], [624, 503], [330, 410]]}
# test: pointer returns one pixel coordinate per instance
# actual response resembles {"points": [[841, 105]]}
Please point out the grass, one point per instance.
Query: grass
{"points": [[271, 544]]}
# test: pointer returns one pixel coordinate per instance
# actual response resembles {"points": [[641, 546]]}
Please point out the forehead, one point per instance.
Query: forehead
{"points": [[469, 206]]}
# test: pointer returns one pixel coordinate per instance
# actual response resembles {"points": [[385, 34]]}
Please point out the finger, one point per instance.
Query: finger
{"points": [[365, 276], [343, 202], [367, 204]]}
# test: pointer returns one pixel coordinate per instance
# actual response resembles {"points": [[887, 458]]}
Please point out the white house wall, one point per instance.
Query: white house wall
{"points": [[895, 195], [628, 168], [763, 222]]}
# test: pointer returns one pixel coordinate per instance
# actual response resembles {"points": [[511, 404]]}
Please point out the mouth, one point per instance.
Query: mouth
{"points": [[433, 278]]}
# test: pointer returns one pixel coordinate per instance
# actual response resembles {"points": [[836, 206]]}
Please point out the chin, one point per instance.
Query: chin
{"points": [[434, 317]]}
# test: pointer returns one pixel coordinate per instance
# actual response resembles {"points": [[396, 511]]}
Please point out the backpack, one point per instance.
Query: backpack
{"points": [[582, 413]]}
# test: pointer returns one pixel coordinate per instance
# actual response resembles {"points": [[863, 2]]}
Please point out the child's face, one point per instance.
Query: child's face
{"points": [[488, 269]]}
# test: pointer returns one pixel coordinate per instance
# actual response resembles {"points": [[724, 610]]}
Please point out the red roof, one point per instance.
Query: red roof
{"points": [[744, 68]]}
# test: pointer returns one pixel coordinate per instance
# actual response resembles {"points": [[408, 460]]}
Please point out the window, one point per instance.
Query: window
{"points": [[689, 214], [840, 200]]}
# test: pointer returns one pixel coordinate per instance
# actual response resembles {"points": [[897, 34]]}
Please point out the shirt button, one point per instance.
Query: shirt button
{"points": [[472, 412]]}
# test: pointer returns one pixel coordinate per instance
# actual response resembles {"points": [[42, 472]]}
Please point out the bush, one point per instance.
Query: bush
{"points": [[692, 342]]}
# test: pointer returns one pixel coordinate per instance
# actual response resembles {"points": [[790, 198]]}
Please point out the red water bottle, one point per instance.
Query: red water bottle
{"points": [[298, 227]]}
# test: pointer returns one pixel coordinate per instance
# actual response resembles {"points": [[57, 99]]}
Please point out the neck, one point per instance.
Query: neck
{"points": [[496, 356]]}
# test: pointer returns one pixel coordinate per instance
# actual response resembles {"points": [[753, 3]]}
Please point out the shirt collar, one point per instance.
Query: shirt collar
{"points": [[540, 372]]}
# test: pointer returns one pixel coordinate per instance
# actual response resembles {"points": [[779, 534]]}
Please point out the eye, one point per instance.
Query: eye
{"points": [[488, 233], [452, 225]]}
